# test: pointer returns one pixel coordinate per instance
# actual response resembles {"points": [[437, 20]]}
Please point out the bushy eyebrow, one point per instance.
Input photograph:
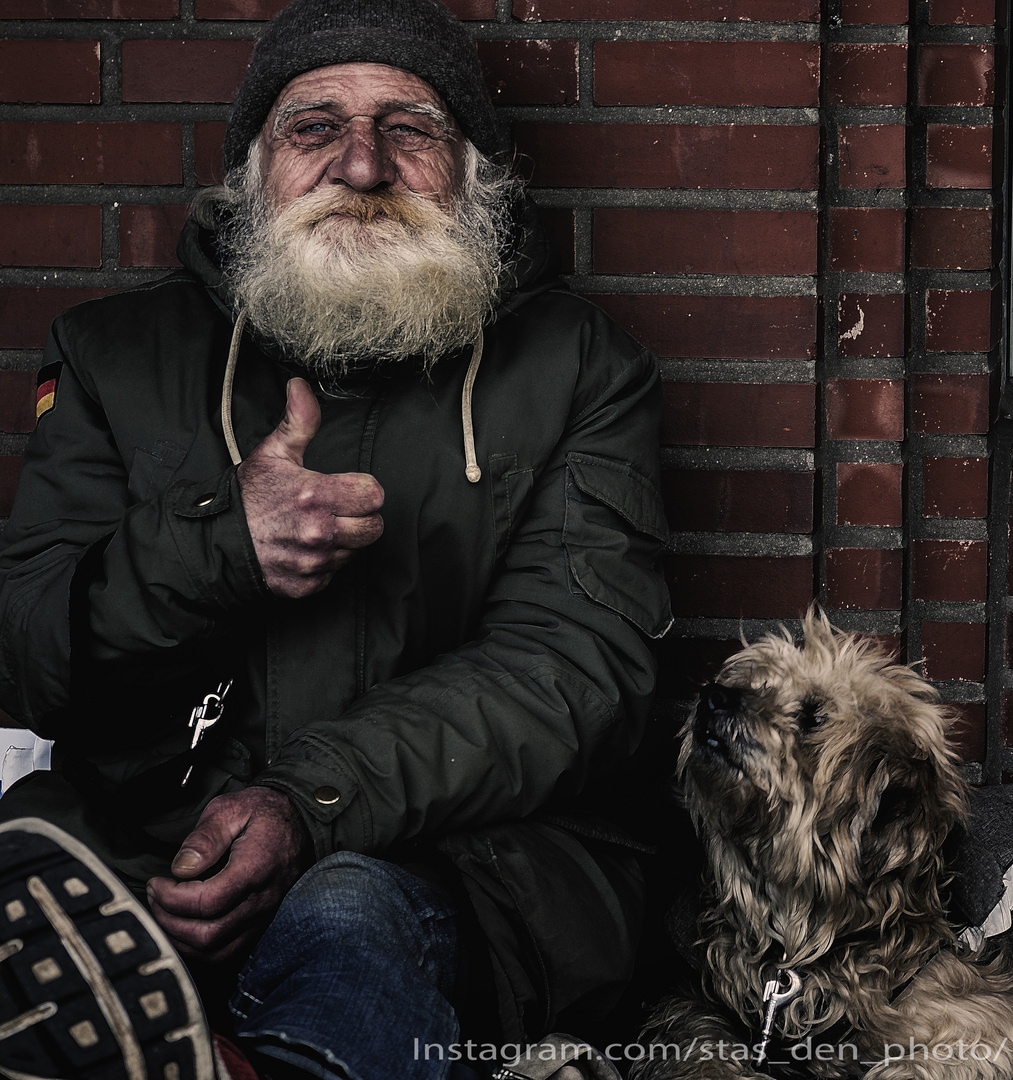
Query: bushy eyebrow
{"points": [[384, 108]]}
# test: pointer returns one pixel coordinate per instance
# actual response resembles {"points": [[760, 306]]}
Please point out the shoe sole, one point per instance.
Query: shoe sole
{"points": [[90, 988]]}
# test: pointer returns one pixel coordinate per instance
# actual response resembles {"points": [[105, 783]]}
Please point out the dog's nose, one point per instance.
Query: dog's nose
{"points": [[720, 701]]}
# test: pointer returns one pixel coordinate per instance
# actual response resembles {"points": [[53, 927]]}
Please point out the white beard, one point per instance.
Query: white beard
{"points": [[341, 279]]}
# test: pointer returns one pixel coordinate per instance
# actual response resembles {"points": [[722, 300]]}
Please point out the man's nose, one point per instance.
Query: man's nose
{"points": [[362, 159]]}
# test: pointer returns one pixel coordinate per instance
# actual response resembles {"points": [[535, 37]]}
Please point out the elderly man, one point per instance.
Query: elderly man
{"points": [[398, 638]]}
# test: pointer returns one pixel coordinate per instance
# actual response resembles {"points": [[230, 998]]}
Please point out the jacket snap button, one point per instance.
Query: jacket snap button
{"points": [[204, 500], [327, 795]]}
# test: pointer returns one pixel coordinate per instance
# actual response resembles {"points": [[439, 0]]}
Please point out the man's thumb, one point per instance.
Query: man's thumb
{"points": [[223, 819], [301, 420]]}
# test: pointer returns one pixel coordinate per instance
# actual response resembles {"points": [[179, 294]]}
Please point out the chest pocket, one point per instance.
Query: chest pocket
{"points": [[152, 469], [511, 489], [613, 533]]}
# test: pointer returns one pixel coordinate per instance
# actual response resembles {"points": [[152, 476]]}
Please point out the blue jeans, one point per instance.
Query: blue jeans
{"points": [[353, 979]]}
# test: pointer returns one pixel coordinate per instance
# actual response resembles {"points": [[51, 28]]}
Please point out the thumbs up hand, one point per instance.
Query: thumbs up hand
{"points": [[305, 525]]}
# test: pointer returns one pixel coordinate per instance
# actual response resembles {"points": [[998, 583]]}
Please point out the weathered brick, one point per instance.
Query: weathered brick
{"points": [[959, 320], [950, 404], [25, 313], [872, 156], [953, 651], [962, 12], [864, 579], [17, 401], [739, 414], [966, 734], [50, 235], [10, 469], [706, 73], [951, 238], [871, 324], [715, 10], [865, 409], [874, 12], [733, 586], [870, 493], [129, 152], [208, 139], [866, 239], [953, 571], [91, 9], [705, 241], [148, 234], [736, 327], [769, 156], [956, 74], [267, 9], [561, 227], [184, 70], [867, 74], [889, 644], [959, 156], [50, 71], [530, 72], [732, 500], [955, 487]]}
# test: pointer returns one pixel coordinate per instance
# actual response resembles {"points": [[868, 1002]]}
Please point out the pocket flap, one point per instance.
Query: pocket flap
{"points": [[621, 487], [613, 533]]}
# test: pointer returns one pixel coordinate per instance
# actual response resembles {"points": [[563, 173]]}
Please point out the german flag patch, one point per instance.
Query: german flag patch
{"points": [[45, 397]]}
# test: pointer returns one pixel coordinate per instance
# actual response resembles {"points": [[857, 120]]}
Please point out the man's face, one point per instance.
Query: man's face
{"points": [[368, 127]]}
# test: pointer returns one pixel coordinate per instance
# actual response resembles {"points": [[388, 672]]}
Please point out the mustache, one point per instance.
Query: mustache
{"points": [[407, 209]]}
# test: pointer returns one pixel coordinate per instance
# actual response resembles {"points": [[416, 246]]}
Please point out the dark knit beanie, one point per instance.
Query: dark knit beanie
{"points": [[419, 36]]}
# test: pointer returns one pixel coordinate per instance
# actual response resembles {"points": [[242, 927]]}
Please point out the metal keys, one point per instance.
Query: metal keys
{"points": [[204, 716], [784, 987]]}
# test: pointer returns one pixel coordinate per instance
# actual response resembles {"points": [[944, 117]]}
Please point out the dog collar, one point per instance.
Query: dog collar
{"points": [[778, 992]]}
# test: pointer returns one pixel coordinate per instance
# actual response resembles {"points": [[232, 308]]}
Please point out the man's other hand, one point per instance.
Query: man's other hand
{"points": [[305, 525], [216, 915]]}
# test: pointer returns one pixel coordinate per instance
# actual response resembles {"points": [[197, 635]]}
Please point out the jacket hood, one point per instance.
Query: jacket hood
{"points": [[533, 267]]}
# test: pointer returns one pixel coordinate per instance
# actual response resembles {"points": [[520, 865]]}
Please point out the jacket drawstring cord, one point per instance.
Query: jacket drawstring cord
{"points": [[230, 373], [471, 471]]}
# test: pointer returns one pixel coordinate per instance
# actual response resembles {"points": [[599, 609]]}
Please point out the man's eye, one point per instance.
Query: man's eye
{"points": [[406, 137], [313, 133]]}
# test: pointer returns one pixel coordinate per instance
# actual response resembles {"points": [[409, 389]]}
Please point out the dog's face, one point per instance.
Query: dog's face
{"points": [[823, 761]]}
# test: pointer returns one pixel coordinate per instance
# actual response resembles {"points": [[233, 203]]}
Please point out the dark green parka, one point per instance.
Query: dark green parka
{"points": [[456, 691]]}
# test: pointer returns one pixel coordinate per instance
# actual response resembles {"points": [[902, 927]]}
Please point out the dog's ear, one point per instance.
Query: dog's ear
{"points": [[910, 821], [894, 803]]}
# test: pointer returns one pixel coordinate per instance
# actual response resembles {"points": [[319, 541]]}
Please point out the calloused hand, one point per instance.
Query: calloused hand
{"points": [[220, 916], [305, 525]]}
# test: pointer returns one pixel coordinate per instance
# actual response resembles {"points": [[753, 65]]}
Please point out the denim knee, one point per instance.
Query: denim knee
{"points": [[360, 959], [353, 904]]}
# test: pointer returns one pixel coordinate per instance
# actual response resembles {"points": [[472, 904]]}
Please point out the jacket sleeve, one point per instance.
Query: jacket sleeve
{"points": [[555, 687], [106, 589]]}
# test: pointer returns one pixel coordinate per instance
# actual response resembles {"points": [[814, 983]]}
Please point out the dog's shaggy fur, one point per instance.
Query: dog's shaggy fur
{"points": [[822, 787]]}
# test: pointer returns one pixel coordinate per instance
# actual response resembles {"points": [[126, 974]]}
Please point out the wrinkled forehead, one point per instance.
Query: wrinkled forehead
{"points": [[360, 89]]}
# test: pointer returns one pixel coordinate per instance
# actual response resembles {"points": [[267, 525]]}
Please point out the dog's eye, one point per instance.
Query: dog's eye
{"points": [[811, 713]]}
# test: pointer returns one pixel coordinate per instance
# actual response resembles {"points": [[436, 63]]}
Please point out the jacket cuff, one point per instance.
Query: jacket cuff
{"points": [[325, 793], [211, 532]]}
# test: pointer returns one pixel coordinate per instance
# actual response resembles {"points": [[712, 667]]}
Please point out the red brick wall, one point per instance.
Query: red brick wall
{"points": [[793, 205]]}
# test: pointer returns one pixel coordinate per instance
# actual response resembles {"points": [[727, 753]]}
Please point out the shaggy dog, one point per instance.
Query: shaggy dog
{"points": [[820, 782]]}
